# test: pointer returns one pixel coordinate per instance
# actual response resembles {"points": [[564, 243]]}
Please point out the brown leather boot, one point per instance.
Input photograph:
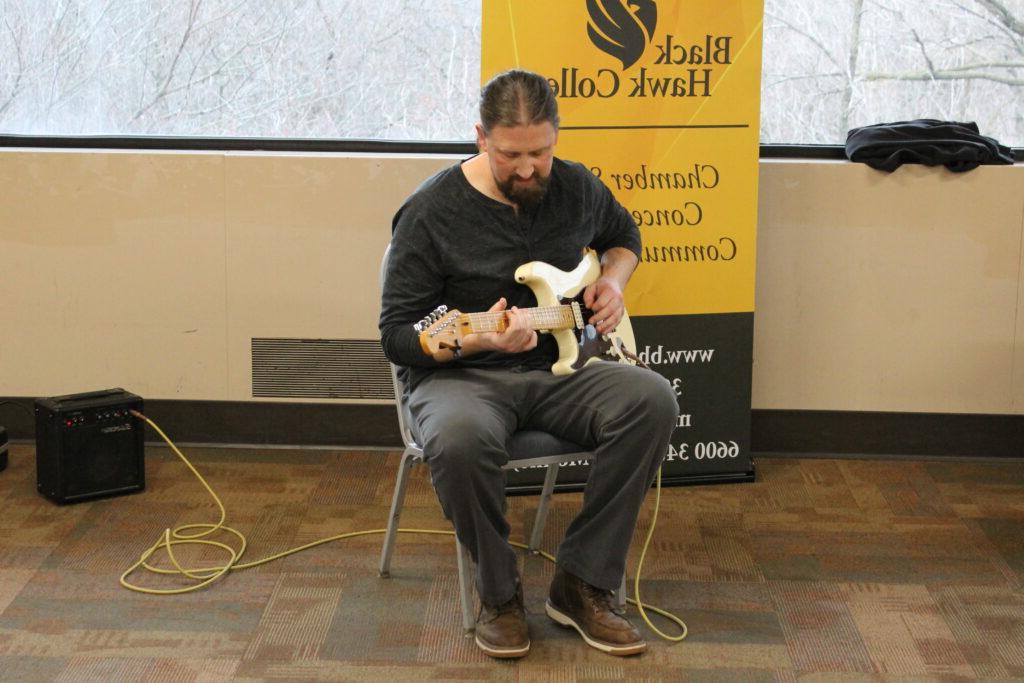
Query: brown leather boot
{"points": [[501, 631], [572, 602]]}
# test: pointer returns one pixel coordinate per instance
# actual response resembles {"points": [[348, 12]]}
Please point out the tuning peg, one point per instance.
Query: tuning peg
{"points": [[430, 318]]}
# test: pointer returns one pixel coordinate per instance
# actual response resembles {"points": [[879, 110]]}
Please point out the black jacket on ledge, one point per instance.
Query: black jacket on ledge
{"points": [[957, 146]]}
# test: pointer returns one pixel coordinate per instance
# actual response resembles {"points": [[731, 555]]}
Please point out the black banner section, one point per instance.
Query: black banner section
{"points": [[708, 360]]}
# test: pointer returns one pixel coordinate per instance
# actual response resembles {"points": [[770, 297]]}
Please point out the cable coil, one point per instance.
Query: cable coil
{"points": [[197, 534]]}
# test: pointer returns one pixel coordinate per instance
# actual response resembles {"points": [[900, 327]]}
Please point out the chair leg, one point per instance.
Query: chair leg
{"points": [[397, 500], [465, 563], [537, 535], [620, 596]]}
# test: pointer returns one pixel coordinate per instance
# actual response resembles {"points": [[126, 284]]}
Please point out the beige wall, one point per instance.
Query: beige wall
{"points": [[153, 271], [891, 292]]}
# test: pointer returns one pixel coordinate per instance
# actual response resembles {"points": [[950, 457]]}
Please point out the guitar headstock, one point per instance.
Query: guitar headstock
{"points": [[440, 330]]}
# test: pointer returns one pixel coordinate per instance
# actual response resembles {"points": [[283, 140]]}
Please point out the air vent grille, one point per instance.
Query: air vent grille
{"points": [[320, 368]]}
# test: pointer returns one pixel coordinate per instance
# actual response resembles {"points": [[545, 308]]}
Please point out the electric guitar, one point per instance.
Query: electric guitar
{"points": [[560, 312]]}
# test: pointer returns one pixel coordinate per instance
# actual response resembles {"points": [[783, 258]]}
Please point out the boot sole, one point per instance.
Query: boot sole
{"points": [[565, 621], [502, 652]]}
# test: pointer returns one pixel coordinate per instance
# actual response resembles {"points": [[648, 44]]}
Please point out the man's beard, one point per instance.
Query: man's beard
{"points": [[525, 196]]}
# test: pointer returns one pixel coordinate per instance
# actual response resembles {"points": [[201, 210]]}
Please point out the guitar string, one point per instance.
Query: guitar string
{"points": [[542, 314]]}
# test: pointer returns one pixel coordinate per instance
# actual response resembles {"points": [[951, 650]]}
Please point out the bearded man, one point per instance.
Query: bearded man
{"points": [[457, 241]]}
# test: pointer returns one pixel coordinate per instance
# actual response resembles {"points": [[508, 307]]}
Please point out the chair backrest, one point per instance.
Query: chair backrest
{"points": [[396, 383]]}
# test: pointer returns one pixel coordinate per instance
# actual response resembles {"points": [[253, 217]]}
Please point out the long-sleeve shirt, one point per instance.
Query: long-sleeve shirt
{"points": [[453, 245]]}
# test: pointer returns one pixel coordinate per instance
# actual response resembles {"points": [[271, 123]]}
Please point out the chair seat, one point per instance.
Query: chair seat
{"points": [[526, 444]]}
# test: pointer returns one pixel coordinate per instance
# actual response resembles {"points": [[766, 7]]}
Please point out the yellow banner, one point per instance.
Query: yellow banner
{"points": [[661, 100]]}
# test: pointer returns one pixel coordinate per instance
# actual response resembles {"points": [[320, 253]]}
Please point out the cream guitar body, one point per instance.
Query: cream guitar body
{"points": [[559, 312]]}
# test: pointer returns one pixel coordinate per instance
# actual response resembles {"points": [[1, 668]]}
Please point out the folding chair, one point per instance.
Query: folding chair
{"points": [[526, 449]]}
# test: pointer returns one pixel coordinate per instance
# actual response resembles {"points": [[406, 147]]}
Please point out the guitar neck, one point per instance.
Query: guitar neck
{"points": [[541, 318]]}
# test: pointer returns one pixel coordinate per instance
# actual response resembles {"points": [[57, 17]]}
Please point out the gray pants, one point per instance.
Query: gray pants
{"points": [[464, 418]]}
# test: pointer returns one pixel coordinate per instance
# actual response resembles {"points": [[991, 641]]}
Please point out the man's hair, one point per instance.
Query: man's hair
{"points": [[517, 98]]}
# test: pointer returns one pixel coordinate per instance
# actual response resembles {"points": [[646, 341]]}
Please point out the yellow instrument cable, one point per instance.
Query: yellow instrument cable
{"points": [[196, 534]]}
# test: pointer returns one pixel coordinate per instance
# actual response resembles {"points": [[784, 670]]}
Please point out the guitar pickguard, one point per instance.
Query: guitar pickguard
{"points": [[581, 345]]}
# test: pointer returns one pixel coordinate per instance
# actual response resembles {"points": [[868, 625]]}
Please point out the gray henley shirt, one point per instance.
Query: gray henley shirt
{"points": [[453, 245]]}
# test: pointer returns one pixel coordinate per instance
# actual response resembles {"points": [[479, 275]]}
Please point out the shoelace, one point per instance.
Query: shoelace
{"points": [[513, 605], [602, 598], [597, 594]]}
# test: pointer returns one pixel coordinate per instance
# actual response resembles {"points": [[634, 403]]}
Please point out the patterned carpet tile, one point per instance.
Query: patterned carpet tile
{"points": [[32, 667], [825, 570]]}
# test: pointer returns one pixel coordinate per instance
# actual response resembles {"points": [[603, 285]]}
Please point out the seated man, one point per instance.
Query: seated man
{"points": [[457, 241]]}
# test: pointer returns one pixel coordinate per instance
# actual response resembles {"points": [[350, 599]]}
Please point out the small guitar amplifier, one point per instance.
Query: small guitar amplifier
{"points": [[89, 446]]}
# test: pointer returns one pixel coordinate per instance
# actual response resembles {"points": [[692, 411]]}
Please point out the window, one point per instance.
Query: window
{"points": [[829, 67], [409, 69], [398, 70]]}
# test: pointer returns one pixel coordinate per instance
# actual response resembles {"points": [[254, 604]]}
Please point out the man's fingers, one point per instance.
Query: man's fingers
{"points": [[590, 296]]}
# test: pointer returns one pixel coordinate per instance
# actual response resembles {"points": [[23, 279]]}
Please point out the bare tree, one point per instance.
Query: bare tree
{"points": [[11, 83], [886, 60], [296, 68], [409, 69]]}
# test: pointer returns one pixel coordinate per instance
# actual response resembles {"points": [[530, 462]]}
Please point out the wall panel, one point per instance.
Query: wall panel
{"points": [[894, 292]]}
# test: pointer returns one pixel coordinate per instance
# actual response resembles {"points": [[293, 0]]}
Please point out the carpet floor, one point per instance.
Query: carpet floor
{"points": [[821, 569]]}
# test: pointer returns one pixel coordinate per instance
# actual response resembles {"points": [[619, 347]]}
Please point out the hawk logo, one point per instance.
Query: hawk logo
{"points": [[622, 28]]}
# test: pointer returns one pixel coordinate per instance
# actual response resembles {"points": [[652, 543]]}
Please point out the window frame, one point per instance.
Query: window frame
{"points": [[342, 146]]}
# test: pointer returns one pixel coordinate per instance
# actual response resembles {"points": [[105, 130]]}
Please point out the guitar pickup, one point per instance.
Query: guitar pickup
{"points": [[577, 315]]}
